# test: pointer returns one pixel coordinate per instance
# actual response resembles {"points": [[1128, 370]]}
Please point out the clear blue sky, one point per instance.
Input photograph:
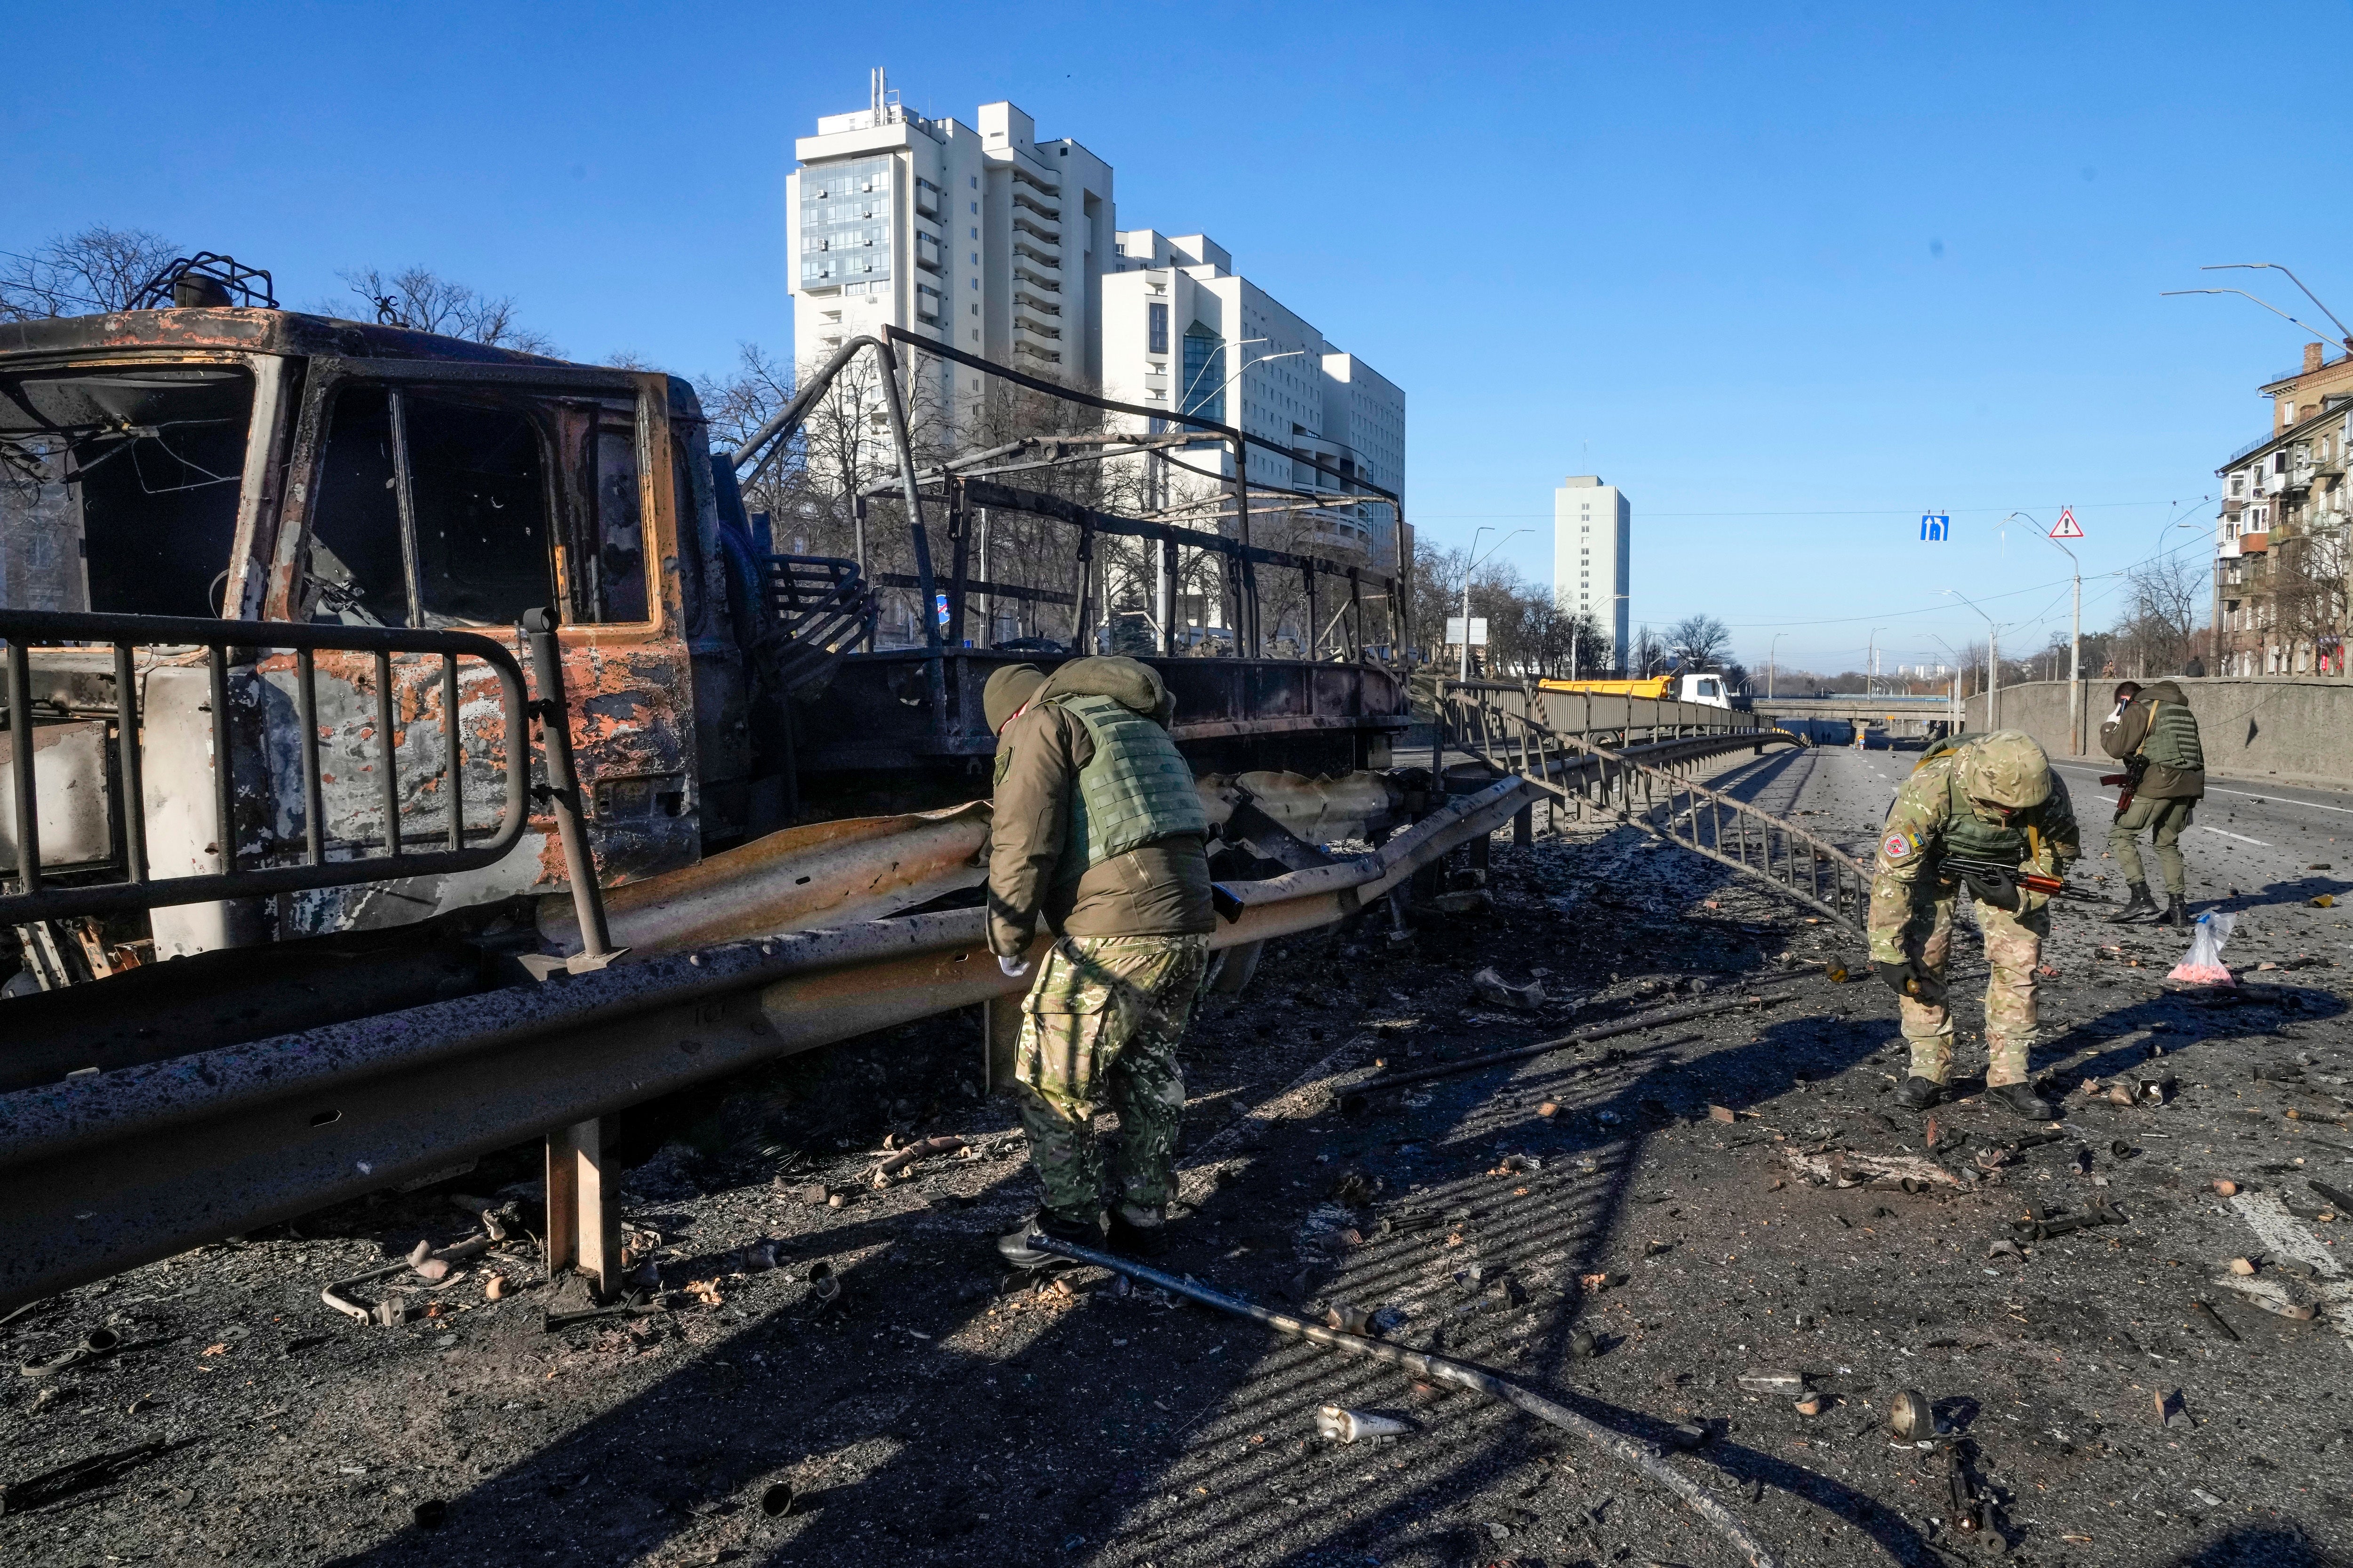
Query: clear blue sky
{"points": [[1790, 274]]}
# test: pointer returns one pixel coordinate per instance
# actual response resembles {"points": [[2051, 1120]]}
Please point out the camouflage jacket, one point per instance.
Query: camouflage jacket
{"points": [[1931, 819]]}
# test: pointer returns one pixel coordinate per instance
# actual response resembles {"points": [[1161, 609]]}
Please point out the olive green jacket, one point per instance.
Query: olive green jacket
{"points": [[1036, 874], [2159, 726]]}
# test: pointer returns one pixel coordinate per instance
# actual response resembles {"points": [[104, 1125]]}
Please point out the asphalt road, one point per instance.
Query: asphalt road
{"points": [[1647, 1191]]}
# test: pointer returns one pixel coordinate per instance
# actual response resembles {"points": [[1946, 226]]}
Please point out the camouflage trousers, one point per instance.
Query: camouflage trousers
{"points": [[2168, 817], [2013, 948], [1102, 1026]]}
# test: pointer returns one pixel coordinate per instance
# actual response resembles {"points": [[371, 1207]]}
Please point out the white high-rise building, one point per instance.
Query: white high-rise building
{"points": [[1007, 247], [1182, 332], [1592, 526], [987, 240]]}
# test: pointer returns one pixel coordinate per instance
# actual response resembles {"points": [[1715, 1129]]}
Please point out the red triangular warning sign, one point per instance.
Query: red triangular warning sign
{"points": [[2067, 527]]}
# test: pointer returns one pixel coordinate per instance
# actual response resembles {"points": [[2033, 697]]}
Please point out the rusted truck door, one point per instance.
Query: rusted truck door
{"points": [[461, 496]]}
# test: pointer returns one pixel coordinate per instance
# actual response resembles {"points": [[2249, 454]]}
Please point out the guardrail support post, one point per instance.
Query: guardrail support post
{"points": [[584, 1225]]}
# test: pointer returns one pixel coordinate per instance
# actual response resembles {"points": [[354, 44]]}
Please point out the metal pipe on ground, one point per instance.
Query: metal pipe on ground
{"points": [[1643, 1456]]}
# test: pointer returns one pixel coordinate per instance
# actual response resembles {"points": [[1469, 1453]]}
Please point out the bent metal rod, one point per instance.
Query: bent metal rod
{"points": [[1644, 1456]]}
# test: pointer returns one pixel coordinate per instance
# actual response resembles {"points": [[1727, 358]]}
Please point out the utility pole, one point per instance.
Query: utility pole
{"points": [[1870, 664], [1469, 567], [1772, 651]]}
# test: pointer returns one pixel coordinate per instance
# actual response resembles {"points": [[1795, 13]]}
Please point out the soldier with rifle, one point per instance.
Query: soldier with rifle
{"points": [[2155, 735], [1988, 812]]}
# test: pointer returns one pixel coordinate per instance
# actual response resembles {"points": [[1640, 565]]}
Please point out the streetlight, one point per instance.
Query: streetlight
{"points": [[1870, 660], [1771, 650], [1993, 659], [1957, 662], [2074, 643], [1467, 570]]}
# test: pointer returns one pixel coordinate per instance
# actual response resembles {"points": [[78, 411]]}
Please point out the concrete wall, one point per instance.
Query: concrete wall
{"points": [[2292, 731]]}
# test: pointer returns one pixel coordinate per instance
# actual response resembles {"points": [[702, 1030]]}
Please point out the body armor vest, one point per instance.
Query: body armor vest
{"points": [[2172, 740], [1972, 839], [1136, 789]]}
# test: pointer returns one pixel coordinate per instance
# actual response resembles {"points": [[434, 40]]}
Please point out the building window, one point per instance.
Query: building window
{"points": [[840, 216], [1155, 332], [1205, 374]]}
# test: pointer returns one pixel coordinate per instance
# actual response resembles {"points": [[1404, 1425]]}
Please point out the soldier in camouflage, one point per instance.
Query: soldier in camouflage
{"points": [[1994, 799], [1098, 835]]}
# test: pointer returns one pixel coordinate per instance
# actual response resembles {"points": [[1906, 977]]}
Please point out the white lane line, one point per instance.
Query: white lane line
{"points": [[2228, 834], [2242, 794], [2283, 1236]]}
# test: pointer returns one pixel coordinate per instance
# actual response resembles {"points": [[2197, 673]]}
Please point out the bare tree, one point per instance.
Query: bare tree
{"points": [[2308, 607], [100, 269], [423, 300], [2162, 600], [1699, 640]]}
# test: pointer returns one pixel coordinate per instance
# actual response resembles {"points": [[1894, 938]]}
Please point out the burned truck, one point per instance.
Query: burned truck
{"points": [[264, 579]]}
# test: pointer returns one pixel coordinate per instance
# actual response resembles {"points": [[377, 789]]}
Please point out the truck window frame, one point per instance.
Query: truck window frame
{"points": [[553, 385]]}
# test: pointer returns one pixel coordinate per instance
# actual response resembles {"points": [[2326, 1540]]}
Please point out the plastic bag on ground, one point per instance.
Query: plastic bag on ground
{"points": [[2204, 966]]}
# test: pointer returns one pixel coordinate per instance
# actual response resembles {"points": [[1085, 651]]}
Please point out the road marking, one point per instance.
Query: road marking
{"points": [[2242, 794], [2228, 834], [2282, 1235]]}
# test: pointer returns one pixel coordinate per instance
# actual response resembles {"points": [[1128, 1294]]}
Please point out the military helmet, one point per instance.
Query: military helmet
{"points": [[2005, 768]]}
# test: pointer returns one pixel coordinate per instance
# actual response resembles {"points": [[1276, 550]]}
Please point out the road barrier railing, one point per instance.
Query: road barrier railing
{"points": [[1655, 793]]}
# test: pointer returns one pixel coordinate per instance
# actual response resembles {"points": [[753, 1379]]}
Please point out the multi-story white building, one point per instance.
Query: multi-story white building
{"points": [[1592, 531], [1182, 330], [987, 240], [998, 244]]}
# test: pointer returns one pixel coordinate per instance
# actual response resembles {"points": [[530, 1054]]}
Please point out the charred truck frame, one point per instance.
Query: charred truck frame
{"points": [[376, 677], [407, 499]]}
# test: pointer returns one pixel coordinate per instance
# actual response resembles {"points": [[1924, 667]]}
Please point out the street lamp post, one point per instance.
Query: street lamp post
{"points": [[1871, 663], [2074, 646], [1957, 662], [1469, 567], [1772, 666], [1993, 660]]}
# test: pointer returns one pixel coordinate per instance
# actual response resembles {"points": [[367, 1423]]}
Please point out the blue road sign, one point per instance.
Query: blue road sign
{"points": [[1936, 527]]}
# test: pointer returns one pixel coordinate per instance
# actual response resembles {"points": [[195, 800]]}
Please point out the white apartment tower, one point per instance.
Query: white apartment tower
{"points": [[1182, 330], [987, 240], [1591, 535]]}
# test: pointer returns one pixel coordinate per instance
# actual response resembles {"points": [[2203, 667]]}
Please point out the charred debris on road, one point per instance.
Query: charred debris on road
{"points": [[1719, 1237]]}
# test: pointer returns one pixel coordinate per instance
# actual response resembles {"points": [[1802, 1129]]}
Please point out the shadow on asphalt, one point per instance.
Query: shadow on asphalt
{"points": [[950, 1428]]}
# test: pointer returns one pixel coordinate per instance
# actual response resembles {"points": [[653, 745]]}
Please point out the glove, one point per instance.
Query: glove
{"points": [[1999, 891], [1911, 979], [1015, 967]]}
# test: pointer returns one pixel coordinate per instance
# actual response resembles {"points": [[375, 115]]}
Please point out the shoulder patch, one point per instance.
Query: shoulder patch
{"points": [[1899, 846]]}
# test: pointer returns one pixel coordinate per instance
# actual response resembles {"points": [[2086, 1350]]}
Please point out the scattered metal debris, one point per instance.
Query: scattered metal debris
{"points": [[1345, 1426], [17, 1497], [1641, 1456]]}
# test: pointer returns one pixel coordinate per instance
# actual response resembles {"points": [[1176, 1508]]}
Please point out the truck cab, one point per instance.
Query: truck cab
{"points": [[268, 465]]}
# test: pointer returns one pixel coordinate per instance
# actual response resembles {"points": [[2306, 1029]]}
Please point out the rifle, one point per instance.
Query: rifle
{"points": [[2124, 782], [1998, 885]]}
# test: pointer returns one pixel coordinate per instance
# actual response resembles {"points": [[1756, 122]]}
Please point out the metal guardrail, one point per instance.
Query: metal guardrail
{"points": [[1657, 797], [108, 1170], [35, 898]]}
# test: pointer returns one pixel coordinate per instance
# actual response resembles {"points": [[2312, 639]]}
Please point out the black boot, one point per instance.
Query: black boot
{"points": [[1144, 1242], [1021, 1249], [2021, 1100], [2139, 906], [2176, 912], [1919, 1093]]}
